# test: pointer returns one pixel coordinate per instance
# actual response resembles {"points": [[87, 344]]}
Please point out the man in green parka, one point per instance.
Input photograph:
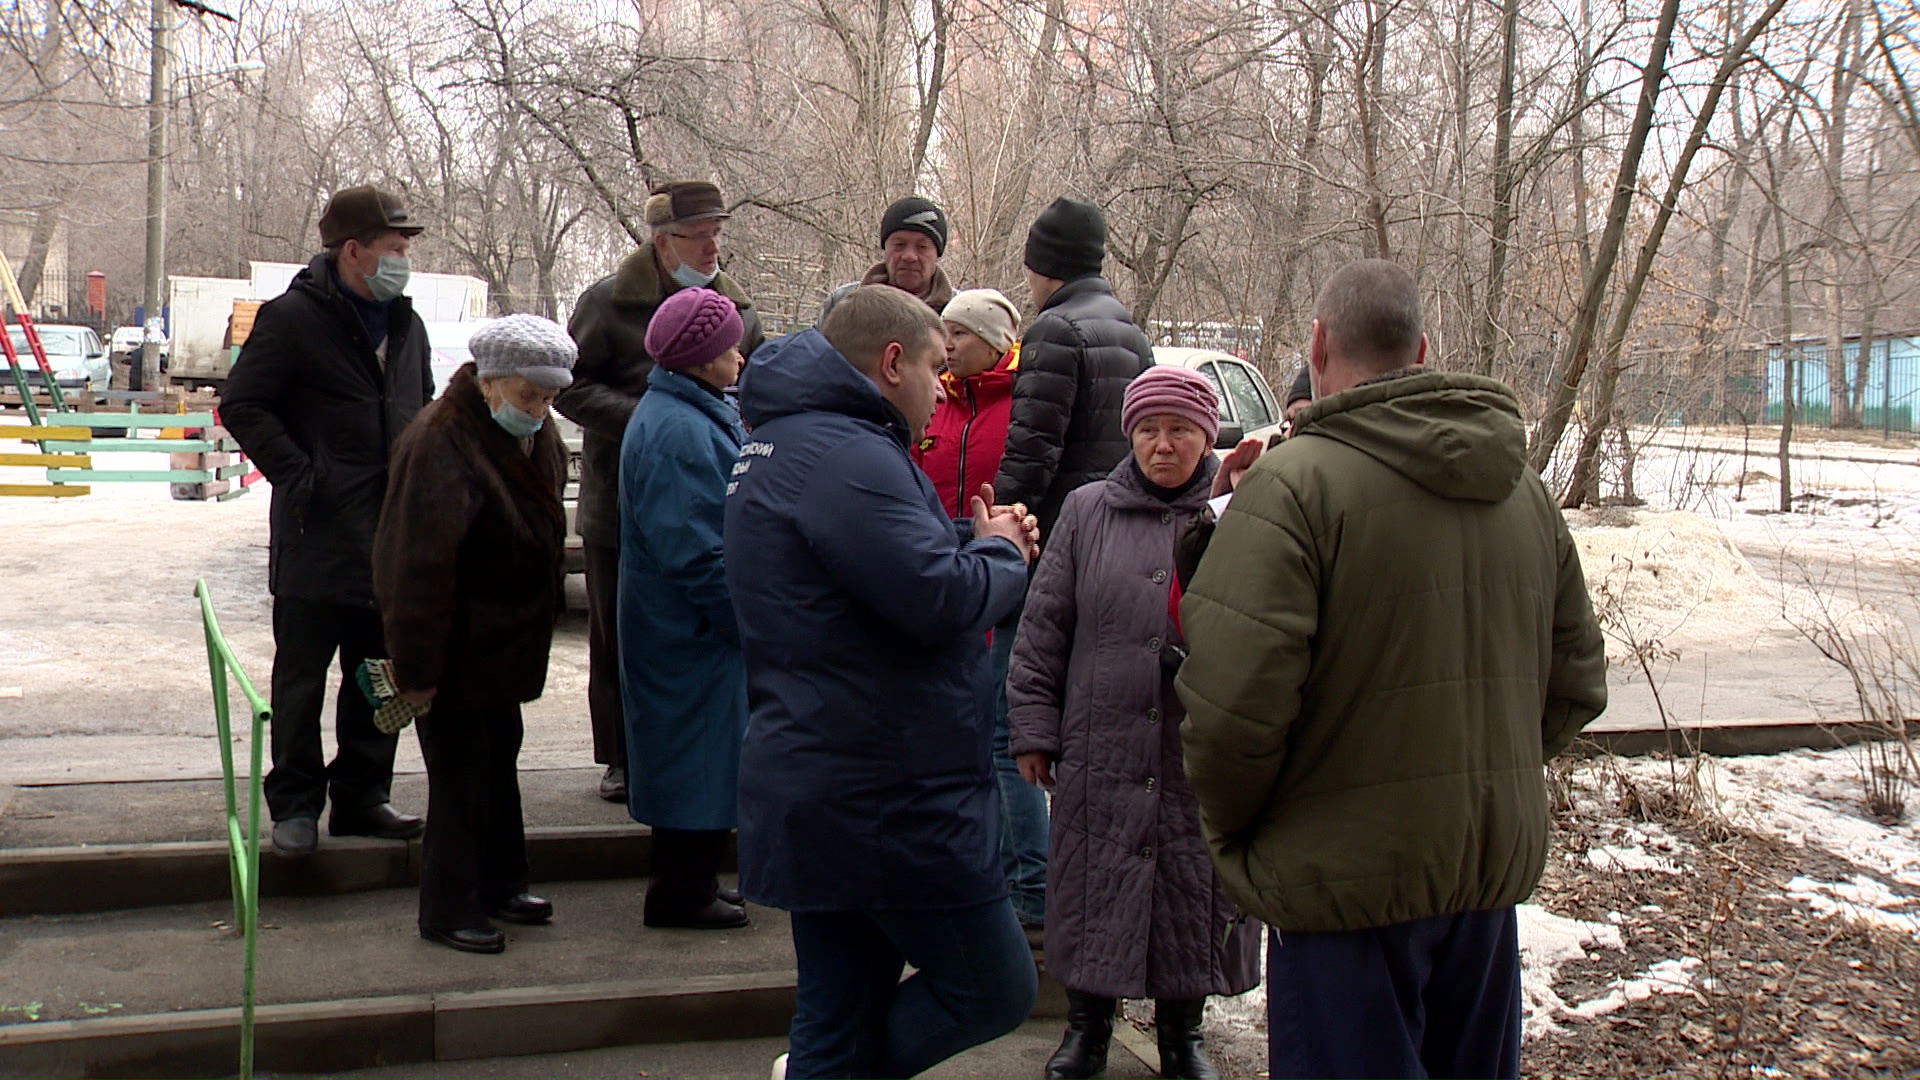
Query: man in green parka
{"points": [[1389, 635]]}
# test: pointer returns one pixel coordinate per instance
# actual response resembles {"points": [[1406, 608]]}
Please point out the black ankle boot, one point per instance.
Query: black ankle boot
{"points": [[1176, 1027], [1083, 1053]]}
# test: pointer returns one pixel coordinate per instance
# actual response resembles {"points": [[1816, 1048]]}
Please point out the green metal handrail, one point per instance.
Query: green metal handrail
{"points": [[243, 848]]}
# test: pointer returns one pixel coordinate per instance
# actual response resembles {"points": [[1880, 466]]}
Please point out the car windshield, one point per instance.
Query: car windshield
{"points": [[57, 340]]}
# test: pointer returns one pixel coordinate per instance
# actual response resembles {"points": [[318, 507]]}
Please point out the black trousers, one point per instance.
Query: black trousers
{"points": [[474, 855], [603, 656], [686, 872], [307, 634]]}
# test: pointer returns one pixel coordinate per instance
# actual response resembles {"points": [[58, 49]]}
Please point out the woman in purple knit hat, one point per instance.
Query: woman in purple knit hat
{"points": [[683, 683], [1134, 909]]}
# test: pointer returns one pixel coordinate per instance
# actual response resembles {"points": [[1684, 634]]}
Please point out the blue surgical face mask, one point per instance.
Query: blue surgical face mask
{"points": [[516, 423], [390, 280], [694, 279]]}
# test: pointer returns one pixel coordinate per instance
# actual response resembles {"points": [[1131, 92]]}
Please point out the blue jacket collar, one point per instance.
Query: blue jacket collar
{"points": [[802, 373], [721, 410]]}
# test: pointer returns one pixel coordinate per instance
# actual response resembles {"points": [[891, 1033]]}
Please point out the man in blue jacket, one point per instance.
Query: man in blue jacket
{"points": [[868, 806]]}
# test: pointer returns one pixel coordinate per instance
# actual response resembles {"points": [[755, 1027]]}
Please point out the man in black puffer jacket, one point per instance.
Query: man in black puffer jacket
{"points": [[1076, 360], [334, 369]]}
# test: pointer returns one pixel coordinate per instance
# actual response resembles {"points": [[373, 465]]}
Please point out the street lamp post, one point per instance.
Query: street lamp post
{"points": [[156, 260]]}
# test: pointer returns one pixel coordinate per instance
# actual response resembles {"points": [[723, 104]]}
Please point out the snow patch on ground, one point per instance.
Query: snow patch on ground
{"points": [[1674, 577], [1860, 899], [1665, 977], [1808, 797], [1629, 860], [1547, 942]]}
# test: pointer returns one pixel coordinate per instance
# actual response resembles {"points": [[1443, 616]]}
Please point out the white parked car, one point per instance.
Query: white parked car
{"points": [[76, 354], [1247, 405], [128, 338]]}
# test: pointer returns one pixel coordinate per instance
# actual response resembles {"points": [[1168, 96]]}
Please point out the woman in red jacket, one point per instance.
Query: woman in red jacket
{"points": [[961, 451], [962, 447]]}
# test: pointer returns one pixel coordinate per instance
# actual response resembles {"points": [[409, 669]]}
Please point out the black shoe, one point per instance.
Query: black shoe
{"points": [[525, 909], [731, 896], [489, 940], [296, 837], [1083, 1052], [613, 786], [1176, 1026], [382, 822], [718, 915]]}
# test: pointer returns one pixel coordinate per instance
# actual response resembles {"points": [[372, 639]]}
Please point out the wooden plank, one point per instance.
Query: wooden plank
{"points": [[231, 495], [140, 420], [197, 446], [30, 433], [128, 476], [42, 491], [48, 461]]}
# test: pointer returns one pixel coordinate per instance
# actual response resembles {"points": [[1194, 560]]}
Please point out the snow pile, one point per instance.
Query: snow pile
{"points": [[1674, 577], [1859, 899], [1665, 977], [1548, 941]]}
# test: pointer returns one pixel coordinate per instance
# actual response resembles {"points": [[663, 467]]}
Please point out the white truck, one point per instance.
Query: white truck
{"points": [[203, 313]]}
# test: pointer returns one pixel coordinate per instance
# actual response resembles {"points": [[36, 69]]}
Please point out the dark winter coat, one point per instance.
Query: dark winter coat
{"points": [[936, 295], [609, 325], [1134, 906], [468, 562], [1389, 634], [963, 443], [1076, 360], [682, 679], [866, 780], [312, 404]]}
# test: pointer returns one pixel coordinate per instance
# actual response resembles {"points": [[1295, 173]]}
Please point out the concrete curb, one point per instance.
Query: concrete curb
{"points": [[1732, 740], [304, 1038], [113, 877]]}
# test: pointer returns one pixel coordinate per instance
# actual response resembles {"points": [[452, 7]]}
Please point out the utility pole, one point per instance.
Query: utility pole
{"points": [[156, 261]]}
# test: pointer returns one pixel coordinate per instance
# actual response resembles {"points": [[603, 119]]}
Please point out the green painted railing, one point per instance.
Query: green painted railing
{"points": [[243, 847]]}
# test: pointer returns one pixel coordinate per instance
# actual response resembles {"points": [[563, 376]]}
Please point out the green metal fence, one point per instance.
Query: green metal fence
{"points": [[243, 846]]}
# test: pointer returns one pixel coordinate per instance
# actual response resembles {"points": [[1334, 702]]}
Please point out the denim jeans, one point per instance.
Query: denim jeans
{"points": [[974, 981], [1023, 807]]}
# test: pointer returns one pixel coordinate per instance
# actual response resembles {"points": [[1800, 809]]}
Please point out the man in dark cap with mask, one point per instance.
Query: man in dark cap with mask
{"points": [[332, 372], [913, 240], [687, 218]]}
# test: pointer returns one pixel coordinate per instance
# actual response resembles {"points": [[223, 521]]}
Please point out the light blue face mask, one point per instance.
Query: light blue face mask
{"points": [[390, 280], [516, 423], [694, 279]]}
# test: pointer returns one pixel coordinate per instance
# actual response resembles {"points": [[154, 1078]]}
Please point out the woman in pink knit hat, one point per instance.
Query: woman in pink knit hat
{"points": [[683, 682], [1134, 908]]}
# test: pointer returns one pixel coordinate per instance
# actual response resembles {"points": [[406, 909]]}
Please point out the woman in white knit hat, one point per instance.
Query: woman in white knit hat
{"points": [[467, 570]]}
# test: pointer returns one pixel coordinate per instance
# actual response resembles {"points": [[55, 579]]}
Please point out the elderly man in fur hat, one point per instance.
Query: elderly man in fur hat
{"points": [[610, 325]]}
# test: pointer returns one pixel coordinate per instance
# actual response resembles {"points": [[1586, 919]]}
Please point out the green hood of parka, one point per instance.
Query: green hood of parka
{"points": [[1458, 436]]}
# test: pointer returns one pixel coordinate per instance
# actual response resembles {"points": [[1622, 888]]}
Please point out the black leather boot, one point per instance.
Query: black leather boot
{"points": [[1083, 1053], [1176, 1027]]}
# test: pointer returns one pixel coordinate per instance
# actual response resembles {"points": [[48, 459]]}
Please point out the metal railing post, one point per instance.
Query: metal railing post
{"points": [[243, 847]]}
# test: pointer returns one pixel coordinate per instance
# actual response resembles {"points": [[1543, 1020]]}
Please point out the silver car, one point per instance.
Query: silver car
{"points": [[76, 355]]}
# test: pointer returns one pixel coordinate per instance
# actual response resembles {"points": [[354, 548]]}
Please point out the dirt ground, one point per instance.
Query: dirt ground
{"points": [[1778, 989]]}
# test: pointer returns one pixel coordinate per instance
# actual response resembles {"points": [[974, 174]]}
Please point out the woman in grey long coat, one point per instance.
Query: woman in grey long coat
{"points": [[1134, 908]]}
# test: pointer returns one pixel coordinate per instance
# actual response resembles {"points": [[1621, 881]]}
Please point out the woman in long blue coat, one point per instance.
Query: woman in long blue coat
{"points": [[683, 682]]}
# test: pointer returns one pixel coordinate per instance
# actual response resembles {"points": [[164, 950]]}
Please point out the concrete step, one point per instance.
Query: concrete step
{"points": [[345, 982], [1022, 1053], [68, 848]]}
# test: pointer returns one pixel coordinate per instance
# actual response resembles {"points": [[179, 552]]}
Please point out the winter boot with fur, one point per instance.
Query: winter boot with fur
{"points": [[1083, 1053], [1176, 1026]]}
